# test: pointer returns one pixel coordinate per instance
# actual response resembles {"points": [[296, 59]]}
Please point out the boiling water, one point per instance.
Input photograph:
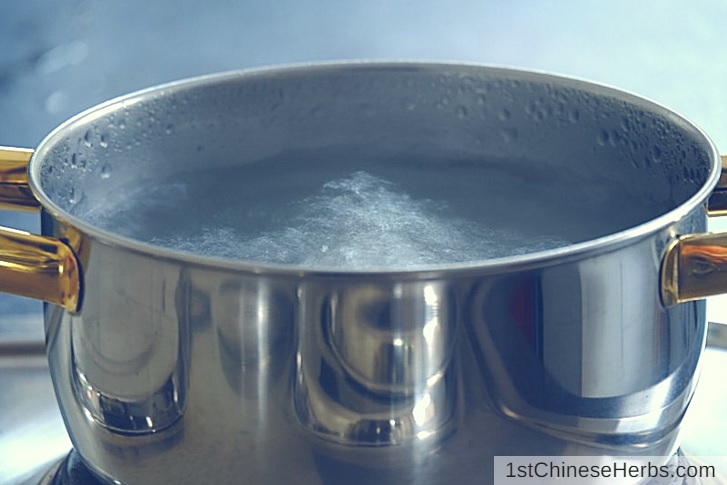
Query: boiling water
{"points": [[383, 216], [361, 221]]}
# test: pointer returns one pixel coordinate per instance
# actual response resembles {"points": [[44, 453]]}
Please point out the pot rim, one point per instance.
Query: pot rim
{"points": [[544, 258]]}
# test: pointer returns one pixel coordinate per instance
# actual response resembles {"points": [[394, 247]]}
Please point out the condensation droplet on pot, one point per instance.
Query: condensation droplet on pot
{"points": [[482, 99], [633, 146], [696, 175], [103, 141], [656, 154], [573, 115], [614, 138], [625, 122], [461, 111], [503, 114], [74, 160], [72, 196], [106, 171], [169, 129], [87, 138], [685, 171], [122, 124], [602, 138], [508, 134]]}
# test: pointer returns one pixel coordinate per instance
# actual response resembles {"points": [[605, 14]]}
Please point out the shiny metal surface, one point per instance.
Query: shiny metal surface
{"points": [[30, 265], [694, 267], [717, 205], [372, 376], [40, 443], [39, 267], [15, 193], [694, 264], [279, 389]]}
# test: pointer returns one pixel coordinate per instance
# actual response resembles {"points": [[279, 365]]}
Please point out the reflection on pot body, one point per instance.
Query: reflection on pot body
{"points": [[260, 369], [254, 329], [130, 368], [590, 369], [393, 339], [373, 366]]}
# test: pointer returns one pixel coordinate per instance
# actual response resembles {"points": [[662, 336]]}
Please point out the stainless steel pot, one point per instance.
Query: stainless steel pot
{"points": [[172, 367]]}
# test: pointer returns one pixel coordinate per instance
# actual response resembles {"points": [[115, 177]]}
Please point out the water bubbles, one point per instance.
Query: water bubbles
{"points": [[103, 140], [169, 129], [74, 160], [358, 221], [87, 138], [461, 111]]}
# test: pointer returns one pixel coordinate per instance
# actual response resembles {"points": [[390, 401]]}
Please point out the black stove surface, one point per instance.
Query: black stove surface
{"points": [[72, 471]]}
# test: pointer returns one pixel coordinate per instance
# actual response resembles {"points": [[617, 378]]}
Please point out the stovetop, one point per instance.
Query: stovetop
{"points": [[34, 445], [71, 471]]}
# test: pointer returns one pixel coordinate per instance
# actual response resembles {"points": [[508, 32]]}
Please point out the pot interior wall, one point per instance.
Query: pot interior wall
{"points": [[546, 157]]}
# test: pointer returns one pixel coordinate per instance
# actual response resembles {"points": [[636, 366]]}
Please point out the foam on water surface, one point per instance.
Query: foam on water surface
{"points": [[357, 221]]}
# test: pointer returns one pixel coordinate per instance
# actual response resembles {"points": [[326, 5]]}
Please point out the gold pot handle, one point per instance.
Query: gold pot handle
{"points": [[695, 266], [35, 266]]}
